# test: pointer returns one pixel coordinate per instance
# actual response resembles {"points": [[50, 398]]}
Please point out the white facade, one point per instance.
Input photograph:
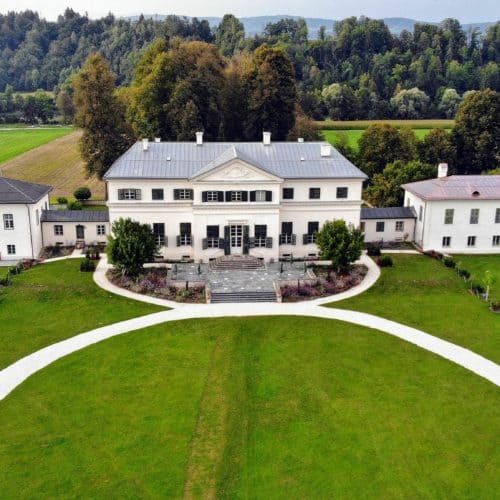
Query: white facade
{"points": [[457, 233], [237, 221], [21, 238], [67, 233], [393, 230]]}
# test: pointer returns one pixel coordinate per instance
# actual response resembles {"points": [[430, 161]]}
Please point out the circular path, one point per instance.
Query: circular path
{"points": [[15, 374]]}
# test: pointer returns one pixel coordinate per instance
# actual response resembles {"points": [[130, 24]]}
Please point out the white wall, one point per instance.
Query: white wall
{"points": [[27, 232], [233, 177], [389, 233], [68, 237], [431, 230]]}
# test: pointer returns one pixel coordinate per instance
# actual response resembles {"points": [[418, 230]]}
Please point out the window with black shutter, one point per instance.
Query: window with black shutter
{"points": [[288, 193], [269, 196], [286, 236], [312, 227], [314, 193], [312, 230], [157, 194], [260, 232], [212, 240], [342, 192], [129, 194], [183, 194], [159, 232], [184, 237]]}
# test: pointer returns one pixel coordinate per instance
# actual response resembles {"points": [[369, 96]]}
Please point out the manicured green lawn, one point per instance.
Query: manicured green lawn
{"points": [[16, 142], [251, 408], [478, 264], [423, 293], [55, 301], [353, 135]]}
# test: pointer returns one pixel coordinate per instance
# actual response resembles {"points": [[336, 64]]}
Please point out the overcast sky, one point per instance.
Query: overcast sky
{"points": [[425, 10]]}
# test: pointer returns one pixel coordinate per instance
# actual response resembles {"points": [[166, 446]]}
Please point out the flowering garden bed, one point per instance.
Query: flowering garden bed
{"points": [[155, 282], [327, 282]]}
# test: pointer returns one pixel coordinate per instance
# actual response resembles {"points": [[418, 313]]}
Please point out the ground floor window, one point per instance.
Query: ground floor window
{"points": [[380, 227], [184, 238], [159, 232], [260, 232], [11, 249], [362, 226], [471, 241], [400, 226], [212, 237], [101, 229], [446, 241], [496, 240], [58, 230]]}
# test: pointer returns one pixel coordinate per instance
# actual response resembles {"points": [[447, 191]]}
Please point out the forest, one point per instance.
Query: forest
{"points": [[361, 71]]}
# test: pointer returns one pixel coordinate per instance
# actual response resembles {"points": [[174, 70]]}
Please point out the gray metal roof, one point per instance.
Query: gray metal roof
{"points": [[457, 187], [75, 216], [15, 191], [388, 213], [185, 160]]}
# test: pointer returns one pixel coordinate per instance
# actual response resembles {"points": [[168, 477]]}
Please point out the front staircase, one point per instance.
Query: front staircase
{"points": [[243, 296], [237, 263]]}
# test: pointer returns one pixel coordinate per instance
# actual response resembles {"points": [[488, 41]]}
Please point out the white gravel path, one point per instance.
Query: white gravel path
{"points": [[15, 374]]}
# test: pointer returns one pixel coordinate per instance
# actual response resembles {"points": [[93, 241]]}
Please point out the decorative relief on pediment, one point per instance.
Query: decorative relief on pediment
{"points": [[237, 172]]}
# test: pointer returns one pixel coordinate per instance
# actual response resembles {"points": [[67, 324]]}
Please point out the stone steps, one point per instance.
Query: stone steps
{"points": [[243, 296], [237, 264]]}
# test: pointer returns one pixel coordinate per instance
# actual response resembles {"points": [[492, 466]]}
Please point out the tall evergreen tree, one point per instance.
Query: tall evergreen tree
{"points": [[270, 84], [101, 116]]}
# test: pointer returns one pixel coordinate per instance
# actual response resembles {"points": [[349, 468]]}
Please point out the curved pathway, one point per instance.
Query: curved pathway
{"points": [[15, 374]]}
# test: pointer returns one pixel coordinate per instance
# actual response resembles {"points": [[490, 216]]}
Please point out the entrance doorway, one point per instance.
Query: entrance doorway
{"points": [[236, 238], [80, 232]]}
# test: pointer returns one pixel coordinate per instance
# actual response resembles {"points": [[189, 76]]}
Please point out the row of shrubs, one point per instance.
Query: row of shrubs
{"points": [[475, 287]]}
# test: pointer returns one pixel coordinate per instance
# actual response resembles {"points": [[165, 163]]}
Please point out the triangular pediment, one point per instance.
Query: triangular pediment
{"points": [[235, 170]]}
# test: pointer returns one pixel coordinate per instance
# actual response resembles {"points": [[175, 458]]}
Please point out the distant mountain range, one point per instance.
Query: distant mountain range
{"points": [[256, 25]]}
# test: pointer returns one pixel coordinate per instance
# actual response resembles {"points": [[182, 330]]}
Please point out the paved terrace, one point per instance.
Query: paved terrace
{"points": [[259, 280]]}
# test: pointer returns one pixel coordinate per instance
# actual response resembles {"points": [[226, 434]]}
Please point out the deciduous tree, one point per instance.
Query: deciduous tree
{"points": [[130, 245], [101, 116], [339, 243]]}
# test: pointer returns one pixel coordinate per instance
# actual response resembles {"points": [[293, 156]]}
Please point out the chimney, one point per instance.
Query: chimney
{"points": [[300, 139], [326, 150], [145, 144], [442, 170], [266, 138], [199, 138], [157, 139]]}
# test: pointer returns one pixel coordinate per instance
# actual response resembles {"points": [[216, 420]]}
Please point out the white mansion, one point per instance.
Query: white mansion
{"points": [[266, 199], [206, 199]]}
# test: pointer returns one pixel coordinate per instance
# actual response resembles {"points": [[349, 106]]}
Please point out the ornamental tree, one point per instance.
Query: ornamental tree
{"points": [[130, 246], [340, 243], [82, 193]]}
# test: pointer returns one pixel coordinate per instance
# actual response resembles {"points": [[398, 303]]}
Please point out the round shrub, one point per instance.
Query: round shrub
{"points": [[74, 205], [82, 193], [62, 200], [385, 261], [449, 262], [373, 250], [87, 266]]}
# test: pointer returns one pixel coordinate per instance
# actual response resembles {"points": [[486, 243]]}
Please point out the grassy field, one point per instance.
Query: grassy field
{"points": [[55, 301], [56, 163], [478, 264], [16, 142], [251, 408], [353, 135], [421, 292], [363, 124]]}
